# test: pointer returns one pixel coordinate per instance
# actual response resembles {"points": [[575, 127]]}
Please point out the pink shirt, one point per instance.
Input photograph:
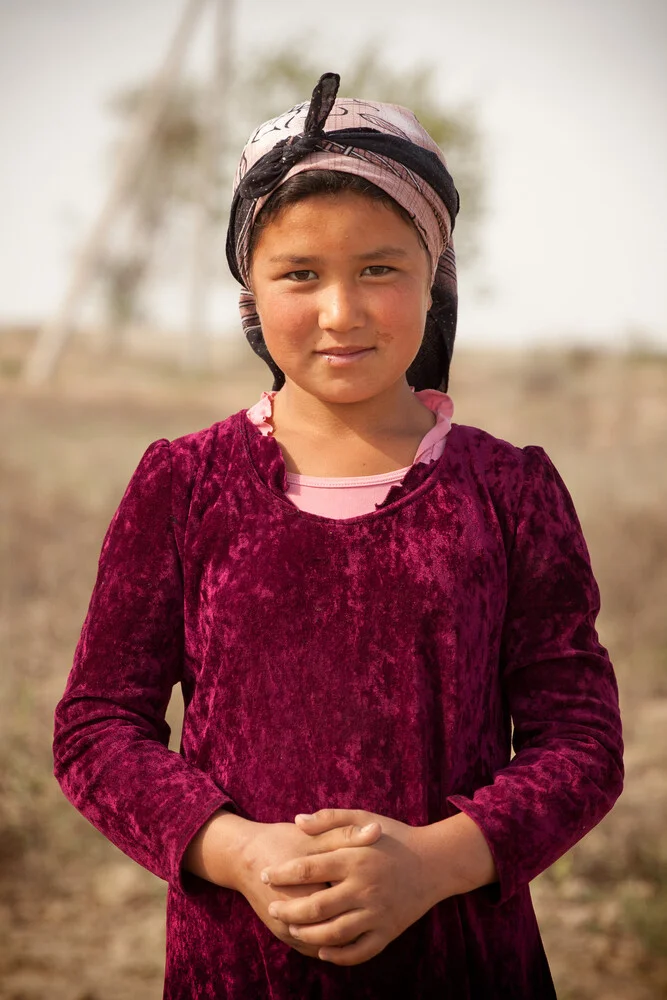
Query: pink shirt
{"points": [[342, 497]]}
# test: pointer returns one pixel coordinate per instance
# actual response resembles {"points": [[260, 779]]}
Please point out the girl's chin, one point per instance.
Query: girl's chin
{"points": [[344, 392], [340, 386]]}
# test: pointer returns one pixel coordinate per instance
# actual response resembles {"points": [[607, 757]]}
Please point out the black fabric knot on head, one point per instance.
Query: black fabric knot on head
{"points": [[271, 168]]}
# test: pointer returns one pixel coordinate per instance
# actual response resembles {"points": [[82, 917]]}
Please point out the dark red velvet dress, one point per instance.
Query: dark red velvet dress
{"points": [[388, 652]]}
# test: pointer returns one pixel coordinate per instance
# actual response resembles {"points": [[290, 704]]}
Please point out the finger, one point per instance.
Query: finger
{"points": [[329, 867], [364, 948], [346, 836], [289, 892], [315, 908], [343, 930], [329, 819]]}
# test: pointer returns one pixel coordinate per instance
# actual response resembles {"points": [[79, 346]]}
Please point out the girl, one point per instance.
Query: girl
{"points": [[359, 599]]}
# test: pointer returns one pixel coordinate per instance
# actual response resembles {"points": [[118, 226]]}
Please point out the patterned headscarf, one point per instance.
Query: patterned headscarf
{"points": [[383, 143]]}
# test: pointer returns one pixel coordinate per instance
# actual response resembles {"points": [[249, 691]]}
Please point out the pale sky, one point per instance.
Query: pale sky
{"points": [[571, 96]]}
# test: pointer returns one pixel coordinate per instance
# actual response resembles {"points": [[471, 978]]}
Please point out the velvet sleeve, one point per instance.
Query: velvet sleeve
{"points": [[110, 746], [561, 691]]}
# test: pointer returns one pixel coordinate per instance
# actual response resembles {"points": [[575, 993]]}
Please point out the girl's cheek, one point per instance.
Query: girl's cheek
{"points": [[286, 316], [291, 306], [277, 304]]}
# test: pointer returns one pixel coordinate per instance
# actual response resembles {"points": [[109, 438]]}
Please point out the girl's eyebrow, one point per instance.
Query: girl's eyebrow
{"points": [[378, 253], [384, 251]]}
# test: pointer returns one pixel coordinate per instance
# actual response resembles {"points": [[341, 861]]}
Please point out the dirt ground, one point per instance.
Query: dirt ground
{"points": [[79, 920]]}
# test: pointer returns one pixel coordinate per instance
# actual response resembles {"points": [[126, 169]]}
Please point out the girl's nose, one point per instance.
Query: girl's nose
{"points": [[341, 308]]}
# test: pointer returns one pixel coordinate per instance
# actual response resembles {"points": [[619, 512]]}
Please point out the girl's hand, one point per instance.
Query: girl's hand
{"points": [[274, 844], [380, 888]]}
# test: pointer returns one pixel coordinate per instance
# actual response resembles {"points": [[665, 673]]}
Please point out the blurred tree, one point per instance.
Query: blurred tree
{"points": [[170, 179], [167, 183]]}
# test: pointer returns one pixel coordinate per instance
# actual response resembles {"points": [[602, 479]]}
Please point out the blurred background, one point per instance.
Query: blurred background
{"points": [[121, 125]]}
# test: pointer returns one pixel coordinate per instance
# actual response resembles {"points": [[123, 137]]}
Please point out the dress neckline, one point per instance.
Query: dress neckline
{"points": [[269, 473]]}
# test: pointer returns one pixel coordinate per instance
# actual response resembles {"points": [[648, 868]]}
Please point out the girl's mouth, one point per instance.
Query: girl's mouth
{"points": [[346, 357]]}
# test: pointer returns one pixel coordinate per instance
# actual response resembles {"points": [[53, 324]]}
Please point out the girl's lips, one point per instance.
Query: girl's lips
{"points": [[339, 360]]}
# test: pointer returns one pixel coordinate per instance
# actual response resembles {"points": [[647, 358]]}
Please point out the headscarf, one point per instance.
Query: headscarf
{"points": [[385, 144]]}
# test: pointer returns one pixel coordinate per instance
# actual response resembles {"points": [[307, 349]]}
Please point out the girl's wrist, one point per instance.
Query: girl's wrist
{"points": [[216, 851], [456, 856]]}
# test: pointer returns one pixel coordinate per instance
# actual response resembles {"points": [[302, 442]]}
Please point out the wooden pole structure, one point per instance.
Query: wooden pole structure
{"points": [[52, 337], [213, 147]]}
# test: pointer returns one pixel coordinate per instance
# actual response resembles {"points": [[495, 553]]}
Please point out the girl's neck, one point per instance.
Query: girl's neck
{"points": [[370, 437], [394, 413]]}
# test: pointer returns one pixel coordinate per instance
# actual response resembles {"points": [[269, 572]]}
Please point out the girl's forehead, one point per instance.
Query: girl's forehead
{"points": [[353, 213]]}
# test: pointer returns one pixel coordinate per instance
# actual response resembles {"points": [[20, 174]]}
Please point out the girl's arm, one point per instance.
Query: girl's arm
{"points": [[110, 746], [562, 694]]}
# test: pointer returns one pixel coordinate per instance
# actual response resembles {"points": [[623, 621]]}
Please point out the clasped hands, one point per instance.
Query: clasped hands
{"points": [[361, 881]]}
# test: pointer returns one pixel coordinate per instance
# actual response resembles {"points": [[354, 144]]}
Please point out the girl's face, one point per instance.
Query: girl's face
{"points": [[336, 273]]}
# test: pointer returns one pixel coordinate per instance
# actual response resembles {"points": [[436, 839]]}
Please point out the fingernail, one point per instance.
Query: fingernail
{"points": [[265, 878], [367, 828], [304, 816], [273, 910], [294, 931]]}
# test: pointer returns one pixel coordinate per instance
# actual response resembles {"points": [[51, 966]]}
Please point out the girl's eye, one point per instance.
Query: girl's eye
{"points": [[378, 270], [301, 276]]}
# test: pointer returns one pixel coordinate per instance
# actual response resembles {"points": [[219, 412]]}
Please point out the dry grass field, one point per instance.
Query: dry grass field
{"points": [[80, 921]]}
